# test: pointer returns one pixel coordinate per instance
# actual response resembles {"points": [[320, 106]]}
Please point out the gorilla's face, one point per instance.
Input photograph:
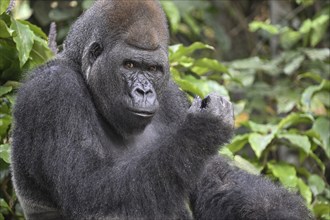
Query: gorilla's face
{"points": [[125, 81]]}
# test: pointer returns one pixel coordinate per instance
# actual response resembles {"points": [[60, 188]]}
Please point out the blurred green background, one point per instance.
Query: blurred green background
{"points": [[270, 57]]}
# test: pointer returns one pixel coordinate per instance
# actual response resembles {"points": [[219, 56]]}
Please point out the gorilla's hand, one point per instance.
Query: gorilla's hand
{"points": [[214, 107], [209, 122]]}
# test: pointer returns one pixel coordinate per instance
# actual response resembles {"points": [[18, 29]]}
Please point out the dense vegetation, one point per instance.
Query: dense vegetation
{"points": [[279, 86]]}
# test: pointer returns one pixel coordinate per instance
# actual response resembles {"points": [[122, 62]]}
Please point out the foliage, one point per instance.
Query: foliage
{"points": [[22, 46], [281, 103]]}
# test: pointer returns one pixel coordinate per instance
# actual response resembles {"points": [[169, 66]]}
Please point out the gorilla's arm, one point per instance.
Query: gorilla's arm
{"points": [[225, 192], [56, 128]]}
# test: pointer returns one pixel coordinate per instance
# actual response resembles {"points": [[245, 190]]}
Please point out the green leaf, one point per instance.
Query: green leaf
{"points": [[322, 127], [306, 97], [266, 26], [173, 14], [238, 143], [23, 38], [261, 128], [317, 54], [295, 118], [4, 5], [259, 142], [205, 65], [291, 67], [320, 25], [305, 191], [36, 30], [226, 152], [246, 165], [5, 31], [178, 51], [316, 184], [321, 210], [289, 38], [5, 152], [285, 173], [300, 141], [4, 90]]}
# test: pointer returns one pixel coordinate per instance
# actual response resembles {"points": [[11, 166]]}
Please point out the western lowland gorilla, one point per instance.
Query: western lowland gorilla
{"points": [[102, 132]]}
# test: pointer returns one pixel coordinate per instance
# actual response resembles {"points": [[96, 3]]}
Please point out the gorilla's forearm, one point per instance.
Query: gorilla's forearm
{"points": [[225, 192]]}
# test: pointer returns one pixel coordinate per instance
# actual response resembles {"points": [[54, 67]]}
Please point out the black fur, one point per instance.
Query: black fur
{"points": [[86, 147]]}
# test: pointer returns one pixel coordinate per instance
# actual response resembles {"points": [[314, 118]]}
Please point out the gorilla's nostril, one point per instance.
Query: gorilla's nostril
{"points": [[140, 91]]}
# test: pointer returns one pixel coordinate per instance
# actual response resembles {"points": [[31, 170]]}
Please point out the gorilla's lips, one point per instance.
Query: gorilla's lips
{"points": [[142, 113]]}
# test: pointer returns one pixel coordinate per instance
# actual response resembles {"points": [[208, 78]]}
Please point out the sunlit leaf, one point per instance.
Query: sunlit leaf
{"points": [[4, 90], [260, 142], [304, 191], [5, 152], [295, 118], [320, 25], [23, 38], [322, 127], [238, 142], [285, 173], [5, 31], [300, 141], [266, 26], [316, 184], [246, 165], [205, 65], [291, 67], [4, 5], [177, 51]]}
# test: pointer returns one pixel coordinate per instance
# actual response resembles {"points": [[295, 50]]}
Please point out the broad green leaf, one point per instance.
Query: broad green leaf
{"points": [[4, 90], [226, 152], [266, 26], [246, 165], [306, 97], [178, 51], [289, 38], [5, 121], [173, 14], [317, 54], [305, 191], [261, 128], [238, 143], [316, 184], [5, 152], [260, 142], [5, 31], [205, 65], [291, 67], [310, 75], [23, 38], [321, 210], [4, 5], [300, 141], [295, 118], [320, 26], [36, 30], [322, 127], [285, 173], [318, 161]]}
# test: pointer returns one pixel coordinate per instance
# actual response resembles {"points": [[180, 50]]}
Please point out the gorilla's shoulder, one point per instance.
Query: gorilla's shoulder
{"points": [[53, 84]]}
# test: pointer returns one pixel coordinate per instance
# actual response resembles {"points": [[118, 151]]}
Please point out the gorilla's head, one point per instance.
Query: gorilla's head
{"points": [[121, 47]]}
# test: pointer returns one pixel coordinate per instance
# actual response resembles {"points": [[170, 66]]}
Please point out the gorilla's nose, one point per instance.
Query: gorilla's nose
{"points": [[144, 95]]}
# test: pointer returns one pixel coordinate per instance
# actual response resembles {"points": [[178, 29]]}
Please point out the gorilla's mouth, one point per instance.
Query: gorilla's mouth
{"points": [[142, 113]]}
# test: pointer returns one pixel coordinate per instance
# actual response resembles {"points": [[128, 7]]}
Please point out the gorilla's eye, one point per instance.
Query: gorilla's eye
{"points": [[153, 68], [129, 65]]}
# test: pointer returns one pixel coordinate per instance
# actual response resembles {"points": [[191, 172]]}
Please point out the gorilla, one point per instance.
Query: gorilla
{"points": [[102, 132]]}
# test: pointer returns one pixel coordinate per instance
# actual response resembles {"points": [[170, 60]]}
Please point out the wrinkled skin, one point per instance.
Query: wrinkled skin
{"points": [[102, 132]]}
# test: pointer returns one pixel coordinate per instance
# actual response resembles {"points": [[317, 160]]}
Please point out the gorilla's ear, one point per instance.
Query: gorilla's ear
{"points": [[94, 50]]}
